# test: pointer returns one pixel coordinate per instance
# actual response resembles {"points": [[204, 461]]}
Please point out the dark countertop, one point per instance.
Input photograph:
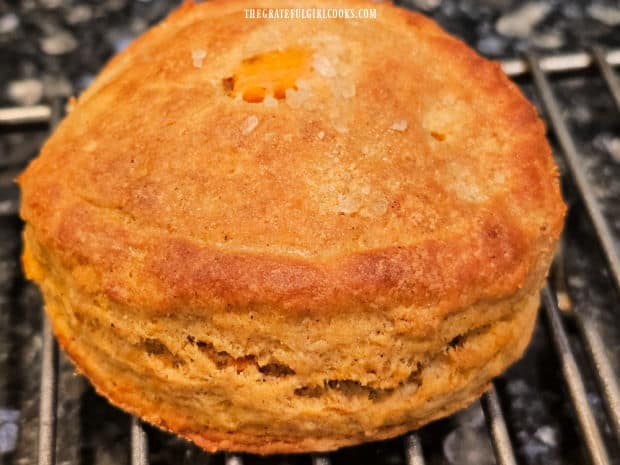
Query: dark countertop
{"points": [[51, 48], [55, 47]]}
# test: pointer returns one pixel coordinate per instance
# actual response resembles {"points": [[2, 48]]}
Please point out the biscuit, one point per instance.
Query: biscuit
{"points": [[293, 235]]}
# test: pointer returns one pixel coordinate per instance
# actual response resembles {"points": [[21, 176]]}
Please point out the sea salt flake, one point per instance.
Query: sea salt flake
{"points": [[321, 135], [342, 89], [270, 101], [250, 124], [400, 125], [295, 98], [340, 127], [323, 66], [347, 204], [303, 84], [198, 56], [376, 207]]}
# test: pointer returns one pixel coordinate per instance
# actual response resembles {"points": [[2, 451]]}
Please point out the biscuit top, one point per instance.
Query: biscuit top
{"points": [[340, 148]]}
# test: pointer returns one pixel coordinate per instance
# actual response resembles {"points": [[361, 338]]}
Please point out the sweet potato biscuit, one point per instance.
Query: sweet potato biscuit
{"points": [[293, 235]]}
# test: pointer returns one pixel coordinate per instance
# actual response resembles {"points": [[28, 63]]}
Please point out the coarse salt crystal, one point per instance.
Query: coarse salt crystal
{"points": [[270, 101], [321, 134], [340, 127], [198, 56], [379, 207], [295, 98], [250, 124], [400, 125], [303, 84], [323, 66], [347, 204], [376, 207], [324, 188], [342, 88]]}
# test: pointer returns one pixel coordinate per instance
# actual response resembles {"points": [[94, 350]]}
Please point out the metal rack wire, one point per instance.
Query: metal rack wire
{"points": [[537, 68]]}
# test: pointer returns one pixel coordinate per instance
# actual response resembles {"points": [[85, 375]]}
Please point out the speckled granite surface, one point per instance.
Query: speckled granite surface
{"points": [[53, 48]]}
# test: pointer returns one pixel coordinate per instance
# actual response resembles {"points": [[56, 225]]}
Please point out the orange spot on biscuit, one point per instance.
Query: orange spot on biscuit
{"points": [[270, 73]]}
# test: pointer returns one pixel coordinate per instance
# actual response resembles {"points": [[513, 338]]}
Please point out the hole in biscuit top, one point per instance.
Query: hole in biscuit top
{"points": [[270, 73]]}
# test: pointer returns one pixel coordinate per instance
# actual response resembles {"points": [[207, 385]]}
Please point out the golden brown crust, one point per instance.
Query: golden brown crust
{"points": [[321, 262], [412, 190], [169, 383]]}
